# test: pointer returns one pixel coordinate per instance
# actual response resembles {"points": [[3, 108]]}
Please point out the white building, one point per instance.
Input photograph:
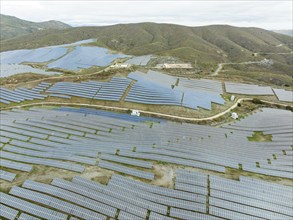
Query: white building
{"points": [[177, 66], [120, 65], [135, 112], [234, 115]]}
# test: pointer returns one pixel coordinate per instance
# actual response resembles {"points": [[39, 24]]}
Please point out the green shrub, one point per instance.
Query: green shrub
{"points": [[256, 101], [290, 108]]}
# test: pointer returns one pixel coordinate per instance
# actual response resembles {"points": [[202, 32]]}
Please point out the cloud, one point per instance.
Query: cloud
{"points": [[264, 14]]}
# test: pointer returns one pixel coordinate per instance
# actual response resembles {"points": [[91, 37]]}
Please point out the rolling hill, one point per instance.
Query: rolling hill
{"points": [[13, 27], [203, 47], [216, 43], [286, 32]]}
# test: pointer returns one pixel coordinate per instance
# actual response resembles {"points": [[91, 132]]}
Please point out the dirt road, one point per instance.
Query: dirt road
{"points": [[154, 114]]}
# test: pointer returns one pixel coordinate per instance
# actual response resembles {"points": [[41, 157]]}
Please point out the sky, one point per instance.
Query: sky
{"points": [[267, 14]]}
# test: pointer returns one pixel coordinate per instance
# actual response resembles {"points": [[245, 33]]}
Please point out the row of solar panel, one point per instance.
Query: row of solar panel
{"points": [[22, 94], [160, 153]]}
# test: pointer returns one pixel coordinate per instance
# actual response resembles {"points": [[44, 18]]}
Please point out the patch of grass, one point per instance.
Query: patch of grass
{"points": [[162, 163], [22, 78], [259, 136]]}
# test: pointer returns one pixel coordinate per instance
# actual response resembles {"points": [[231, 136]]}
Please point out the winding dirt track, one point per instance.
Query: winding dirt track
{"points": [[220, 66], [155, 114]]}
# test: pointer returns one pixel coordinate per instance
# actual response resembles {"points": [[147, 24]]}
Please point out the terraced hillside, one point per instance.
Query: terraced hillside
{"points": [[88, 164]]}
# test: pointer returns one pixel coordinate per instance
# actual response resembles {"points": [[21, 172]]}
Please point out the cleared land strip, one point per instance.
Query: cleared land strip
{"points": [[220, 65], [127, 90], [60, 77], [167, 116]]}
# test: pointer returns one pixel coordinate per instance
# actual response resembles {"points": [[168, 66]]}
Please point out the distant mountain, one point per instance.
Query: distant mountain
{"points": [[286, 32], [13, 27]]}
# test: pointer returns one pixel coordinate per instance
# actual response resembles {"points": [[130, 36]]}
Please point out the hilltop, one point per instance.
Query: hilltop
{"points": [[14, 27]]}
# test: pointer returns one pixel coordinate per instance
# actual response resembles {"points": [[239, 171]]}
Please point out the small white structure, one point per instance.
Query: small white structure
{"points": [[234, 115], [120, 65], [135, 112], [232, 98], [177, 66]]}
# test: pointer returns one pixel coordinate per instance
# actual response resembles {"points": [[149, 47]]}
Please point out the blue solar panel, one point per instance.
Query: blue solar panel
{"points": [[85, 57], [12, 69], [35, 56], [160, 89], [116, 115], [21, 94]]}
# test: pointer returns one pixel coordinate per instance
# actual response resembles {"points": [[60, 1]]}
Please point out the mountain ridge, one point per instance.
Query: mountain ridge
{"points": [[221, 42], [204, 47], [13, 27]]}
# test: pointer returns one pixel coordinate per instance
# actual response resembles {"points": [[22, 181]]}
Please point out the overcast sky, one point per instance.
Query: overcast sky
{"points": [[248, 13]]}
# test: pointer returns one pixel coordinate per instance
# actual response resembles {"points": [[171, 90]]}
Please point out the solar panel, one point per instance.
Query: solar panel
{"points": [[283, 95], [7, 212], [126, 170], [31, 208], [248, 89], [4, 175], [72, 197], [57, 204], [125, 160], [24, 216], [15, 165]]}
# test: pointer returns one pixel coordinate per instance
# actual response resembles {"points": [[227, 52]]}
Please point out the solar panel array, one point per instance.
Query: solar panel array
{"points": [[39, 55], [83, 57], [248, 89], [191, 181], [4, 175], [85, 199], [15, 165], [249, 199], [60, 57], [31, 208], [201, 85], [138, 163], [271, 122], [108, 114], [8, 96], [195, 99], [12, 69], [53, 138], [158, 88], [283, 95], [134, 149], [152, 88], [112, 90], [83, 89], [24, 216], [140, 60], [149, 92], [126, 170], [7, 212]]}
